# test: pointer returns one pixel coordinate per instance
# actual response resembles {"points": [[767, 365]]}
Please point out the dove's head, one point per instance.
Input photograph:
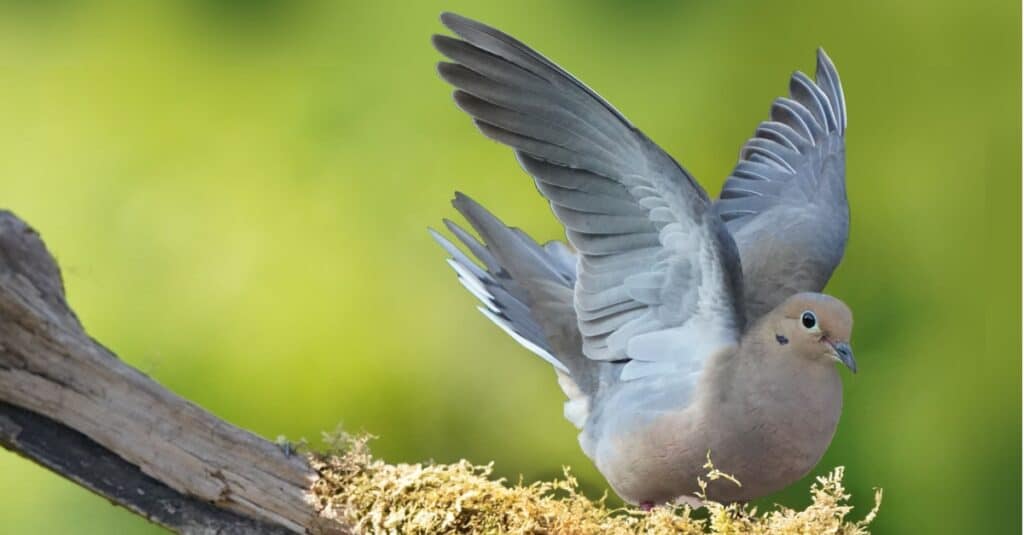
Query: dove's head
{"points": [[816, 326]]}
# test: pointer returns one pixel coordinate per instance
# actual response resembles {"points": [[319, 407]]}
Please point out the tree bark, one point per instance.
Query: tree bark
{"points": [[71, 405]]}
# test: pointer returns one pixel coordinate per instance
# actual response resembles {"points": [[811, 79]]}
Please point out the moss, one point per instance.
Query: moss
{"points": [[377, 497]]}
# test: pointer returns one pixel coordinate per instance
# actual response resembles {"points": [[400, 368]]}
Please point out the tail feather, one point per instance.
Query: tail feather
{"points": [[497, 293], [527, 290], [564, 259]]}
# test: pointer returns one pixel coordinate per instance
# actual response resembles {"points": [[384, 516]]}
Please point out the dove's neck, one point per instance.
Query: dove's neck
{"points": [[757, 371]]}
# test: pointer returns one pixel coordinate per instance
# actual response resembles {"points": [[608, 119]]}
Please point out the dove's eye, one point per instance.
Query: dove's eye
{"points": [[809, 320]]}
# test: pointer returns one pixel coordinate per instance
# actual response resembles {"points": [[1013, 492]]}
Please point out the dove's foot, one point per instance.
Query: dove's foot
{"points": [[646, 506]]}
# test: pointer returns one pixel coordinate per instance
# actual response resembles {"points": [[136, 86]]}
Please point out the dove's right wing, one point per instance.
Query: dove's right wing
{"points": [[785, 202], [658, 274]]}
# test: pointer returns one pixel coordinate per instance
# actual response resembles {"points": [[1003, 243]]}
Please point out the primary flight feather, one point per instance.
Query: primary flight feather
{"points": [[676, 325]]}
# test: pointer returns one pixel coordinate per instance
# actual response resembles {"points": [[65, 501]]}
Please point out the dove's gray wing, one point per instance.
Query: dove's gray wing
{"points": [[785, 202], [658, 274]]}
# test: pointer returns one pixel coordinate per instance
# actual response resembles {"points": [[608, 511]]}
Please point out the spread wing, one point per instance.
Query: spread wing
{"points": [[658, 274], [785, 202]]}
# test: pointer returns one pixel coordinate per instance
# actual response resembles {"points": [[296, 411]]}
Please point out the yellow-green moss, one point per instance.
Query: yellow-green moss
{"points": [[377, 497]]}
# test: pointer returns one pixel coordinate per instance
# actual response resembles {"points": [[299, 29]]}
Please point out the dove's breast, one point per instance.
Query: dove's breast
{"points": [[774, 424], [651, 443]]}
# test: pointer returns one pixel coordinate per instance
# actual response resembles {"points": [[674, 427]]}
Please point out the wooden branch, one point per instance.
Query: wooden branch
{"points": [[72, 406], [76, 457]]}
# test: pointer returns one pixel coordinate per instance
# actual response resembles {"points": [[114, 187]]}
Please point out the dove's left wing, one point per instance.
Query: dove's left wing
{"points": [[785, 202], [658, 274]]}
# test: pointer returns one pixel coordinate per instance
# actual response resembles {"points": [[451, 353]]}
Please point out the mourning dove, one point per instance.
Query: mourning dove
{"points": [[678, 327]]}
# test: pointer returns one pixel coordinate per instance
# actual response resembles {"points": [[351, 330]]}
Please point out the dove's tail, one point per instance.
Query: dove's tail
{"points": [[527, 290]]}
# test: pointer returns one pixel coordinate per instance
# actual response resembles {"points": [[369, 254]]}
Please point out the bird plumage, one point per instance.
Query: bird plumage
{"points": [[654, 320]]}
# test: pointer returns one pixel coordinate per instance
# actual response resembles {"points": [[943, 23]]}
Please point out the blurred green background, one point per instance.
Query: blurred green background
{"points": [[238, 194]]}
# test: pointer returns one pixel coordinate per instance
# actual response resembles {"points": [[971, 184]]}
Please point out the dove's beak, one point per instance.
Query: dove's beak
{"points": [[844, 354]]}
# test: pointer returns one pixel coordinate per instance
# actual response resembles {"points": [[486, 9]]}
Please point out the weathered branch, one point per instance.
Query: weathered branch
{"points": [[72, 406], [76, 457]]}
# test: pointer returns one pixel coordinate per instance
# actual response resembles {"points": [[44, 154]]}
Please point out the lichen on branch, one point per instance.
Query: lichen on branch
{"points": [[375, 497]]}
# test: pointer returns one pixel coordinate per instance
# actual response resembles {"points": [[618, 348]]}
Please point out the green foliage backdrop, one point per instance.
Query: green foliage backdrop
{"points": [[238, 193]]}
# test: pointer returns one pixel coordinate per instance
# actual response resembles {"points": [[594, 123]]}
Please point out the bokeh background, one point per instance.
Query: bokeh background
{"points": [[238, 193]]}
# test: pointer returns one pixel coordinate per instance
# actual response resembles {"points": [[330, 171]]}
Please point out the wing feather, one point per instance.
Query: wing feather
{"points": [[785, 202], [654, 260]]}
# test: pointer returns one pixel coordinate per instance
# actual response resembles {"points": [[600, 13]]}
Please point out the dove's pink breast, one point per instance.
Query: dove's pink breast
{"points": [[766, 435]]}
